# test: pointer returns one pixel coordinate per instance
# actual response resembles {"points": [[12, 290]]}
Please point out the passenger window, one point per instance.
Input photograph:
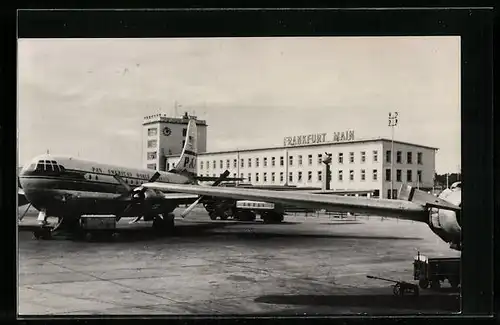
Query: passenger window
{"points": [[56, 168], [90, 176], [96, 177], [48, 167], [40, 167]]}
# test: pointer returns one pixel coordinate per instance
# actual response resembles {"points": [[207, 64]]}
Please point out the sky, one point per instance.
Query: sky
{"points": [[88, 97]]}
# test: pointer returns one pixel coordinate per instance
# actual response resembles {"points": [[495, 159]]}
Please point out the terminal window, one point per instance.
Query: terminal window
{"points": [[242, 163], [235, 163], [152, 132], [290, 177], [282, 161], [409, 157], [273, 177], [319, 175], [341, 158], [273, 161], [375, 174], [220, 164], [290, 160], [249, 177], [214, 164], [227, 163], [363, 156], [409, 177], [351, 157], [151, 166], [152, 143], [398, 175], [256, 162], [419, 158], [341, 175], [300, 160], [299, 177], [249, 162], [375, 156], [351, 175], [310, 159], [281, 177], [363, 174], [388, 156], [256, 177], [398, 157], [309, 175], [388, 175], [265, 162], [201, 164], [265, 177], [320, 159], [419, 176], [151, 155]]}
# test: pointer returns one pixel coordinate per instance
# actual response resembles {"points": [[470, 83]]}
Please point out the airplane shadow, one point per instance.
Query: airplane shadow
{"points": [[424, 303], [219, 230]]}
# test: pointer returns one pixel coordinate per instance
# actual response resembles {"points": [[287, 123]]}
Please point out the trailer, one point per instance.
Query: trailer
{"points": [[399, 288], [432, 271]]}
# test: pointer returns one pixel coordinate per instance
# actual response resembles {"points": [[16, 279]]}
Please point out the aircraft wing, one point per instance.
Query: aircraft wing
{"points": [[383, 207]]}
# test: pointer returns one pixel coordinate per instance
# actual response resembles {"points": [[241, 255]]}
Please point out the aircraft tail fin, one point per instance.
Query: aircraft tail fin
{"points": [[187, 161]]}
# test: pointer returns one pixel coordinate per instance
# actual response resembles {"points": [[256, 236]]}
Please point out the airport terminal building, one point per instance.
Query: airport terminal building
{"points": [[357, 164]]}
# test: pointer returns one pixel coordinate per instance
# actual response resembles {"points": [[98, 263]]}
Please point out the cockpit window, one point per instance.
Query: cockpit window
{"points": [[40, 167]]}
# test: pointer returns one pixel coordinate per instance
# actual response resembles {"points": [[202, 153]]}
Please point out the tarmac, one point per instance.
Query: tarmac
{"points": [[315, 265]]}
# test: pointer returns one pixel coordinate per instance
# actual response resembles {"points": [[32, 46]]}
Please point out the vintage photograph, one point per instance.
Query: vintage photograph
{"points": [[239, 176]]}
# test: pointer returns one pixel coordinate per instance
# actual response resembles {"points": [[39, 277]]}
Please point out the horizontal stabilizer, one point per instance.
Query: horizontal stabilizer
{"points": [[410, 193]]}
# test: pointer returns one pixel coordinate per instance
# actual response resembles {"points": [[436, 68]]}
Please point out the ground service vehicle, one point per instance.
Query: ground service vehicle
{"points": [[432, 271]]}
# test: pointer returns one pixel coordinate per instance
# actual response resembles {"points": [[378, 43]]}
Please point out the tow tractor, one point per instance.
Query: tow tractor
{"points": [[432, 271]]}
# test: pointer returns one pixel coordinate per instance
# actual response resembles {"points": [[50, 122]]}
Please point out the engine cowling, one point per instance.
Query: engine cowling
{"points": [[446, 223]]}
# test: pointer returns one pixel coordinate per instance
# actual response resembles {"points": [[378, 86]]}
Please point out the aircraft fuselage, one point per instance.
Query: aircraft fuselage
{"points": [[64, 186]]}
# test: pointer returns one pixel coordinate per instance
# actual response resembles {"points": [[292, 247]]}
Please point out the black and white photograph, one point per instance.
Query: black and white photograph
{"points": [[239, 176]]}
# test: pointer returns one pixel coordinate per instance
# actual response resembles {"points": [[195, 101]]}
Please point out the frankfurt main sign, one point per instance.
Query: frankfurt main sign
{"points": [[298, 140]]}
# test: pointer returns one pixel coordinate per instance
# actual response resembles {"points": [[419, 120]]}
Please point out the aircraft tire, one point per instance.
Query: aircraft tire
{"points": [[164, 225], [423, 283]]}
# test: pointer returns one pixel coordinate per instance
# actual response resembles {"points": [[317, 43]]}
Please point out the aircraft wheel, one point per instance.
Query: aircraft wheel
{"points": [[88, 236], [435, 284], [165, 225], [454, 283], [42, 233], [423, 283]]}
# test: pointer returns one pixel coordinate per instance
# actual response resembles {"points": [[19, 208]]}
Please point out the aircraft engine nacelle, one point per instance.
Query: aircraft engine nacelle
{"points": [[446, 223], [140, 195]]}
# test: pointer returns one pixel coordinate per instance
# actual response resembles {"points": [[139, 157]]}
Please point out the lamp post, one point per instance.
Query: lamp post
{"points": [[393, 121]]}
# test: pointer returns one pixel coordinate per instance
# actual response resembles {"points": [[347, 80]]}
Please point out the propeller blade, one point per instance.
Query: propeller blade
{"points": [[216, 183], [24, 214], [154, 178], [135, 220], [191, 207], [123, 183]]}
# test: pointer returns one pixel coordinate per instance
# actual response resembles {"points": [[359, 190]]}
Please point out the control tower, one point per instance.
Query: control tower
{"points": [[164, 135]]}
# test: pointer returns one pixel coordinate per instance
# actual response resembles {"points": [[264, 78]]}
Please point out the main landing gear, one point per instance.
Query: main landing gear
{"points": [[164, 224], [45, 231]]}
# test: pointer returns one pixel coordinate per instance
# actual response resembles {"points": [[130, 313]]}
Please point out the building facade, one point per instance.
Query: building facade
{"points": [[357, 165], [163, 136]]}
